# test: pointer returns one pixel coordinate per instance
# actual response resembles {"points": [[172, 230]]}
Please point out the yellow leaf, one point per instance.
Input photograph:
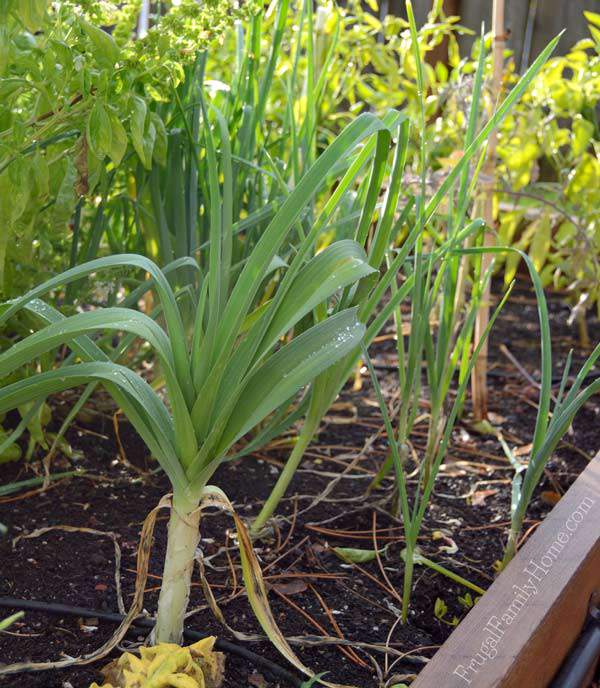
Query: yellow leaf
{"points": [[583, 131], [592, 17], [167, 665], [586, 176], [540, 243]]}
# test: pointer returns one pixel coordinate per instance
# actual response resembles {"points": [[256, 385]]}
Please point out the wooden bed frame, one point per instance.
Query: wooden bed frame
{"points": [[520, 632]]}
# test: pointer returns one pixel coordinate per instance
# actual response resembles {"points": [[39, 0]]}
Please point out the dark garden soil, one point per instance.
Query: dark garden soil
{"points": [[313, 592]]}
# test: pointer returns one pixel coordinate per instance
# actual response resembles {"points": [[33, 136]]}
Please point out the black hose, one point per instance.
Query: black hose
{"points": [[143, 622], [583, 657]]}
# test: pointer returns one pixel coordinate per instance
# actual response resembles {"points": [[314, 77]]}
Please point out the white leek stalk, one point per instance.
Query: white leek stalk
{"points": [[183, 538]]}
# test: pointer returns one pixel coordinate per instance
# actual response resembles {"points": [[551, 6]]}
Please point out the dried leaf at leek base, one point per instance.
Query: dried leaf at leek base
{"points": [[167, 665]]}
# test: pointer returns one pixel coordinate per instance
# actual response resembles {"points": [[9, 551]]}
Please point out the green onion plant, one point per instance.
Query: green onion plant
{"points": [[554, 417], [438, 354], [439, 294]]}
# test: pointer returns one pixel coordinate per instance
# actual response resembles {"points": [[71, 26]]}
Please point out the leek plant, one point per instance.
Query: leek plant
{"points": [[242, 356], [156, 202], [428, 293]]}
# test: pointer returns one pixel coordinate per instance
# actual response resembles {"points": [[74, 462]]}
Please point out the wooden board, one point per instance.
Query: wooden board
{"points": [[520, 631]]}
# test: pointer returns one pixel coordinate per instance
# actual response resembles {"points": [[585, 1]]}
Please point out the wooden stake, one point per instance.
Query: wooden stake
{"points": [[144, 19], [479, 376]]}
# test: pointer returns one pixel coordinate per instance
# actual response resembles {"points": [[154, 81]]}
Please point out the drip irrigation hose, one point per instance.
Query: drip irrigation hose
{"points": [[56, 609], [579, 665]]}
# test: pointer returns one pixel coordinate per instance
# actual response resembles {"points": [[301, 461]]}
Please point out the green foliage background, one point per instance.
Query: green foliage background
{"points": [[84, 104]]}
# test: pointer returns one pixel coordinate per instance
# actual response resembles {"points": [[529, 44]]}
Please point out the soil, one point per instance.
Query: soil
{"points": [[312, 591]]}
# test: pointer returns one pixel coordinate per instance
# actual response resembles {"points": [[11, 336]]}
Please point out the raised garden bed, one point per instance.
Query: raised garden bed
{"points": [[309, 583], [521, 630], [267, 320]]}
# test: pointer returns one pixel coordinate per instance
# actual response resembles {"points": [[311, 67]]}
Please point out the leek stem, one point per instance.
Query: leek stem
{"points": [[183, 538]]}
